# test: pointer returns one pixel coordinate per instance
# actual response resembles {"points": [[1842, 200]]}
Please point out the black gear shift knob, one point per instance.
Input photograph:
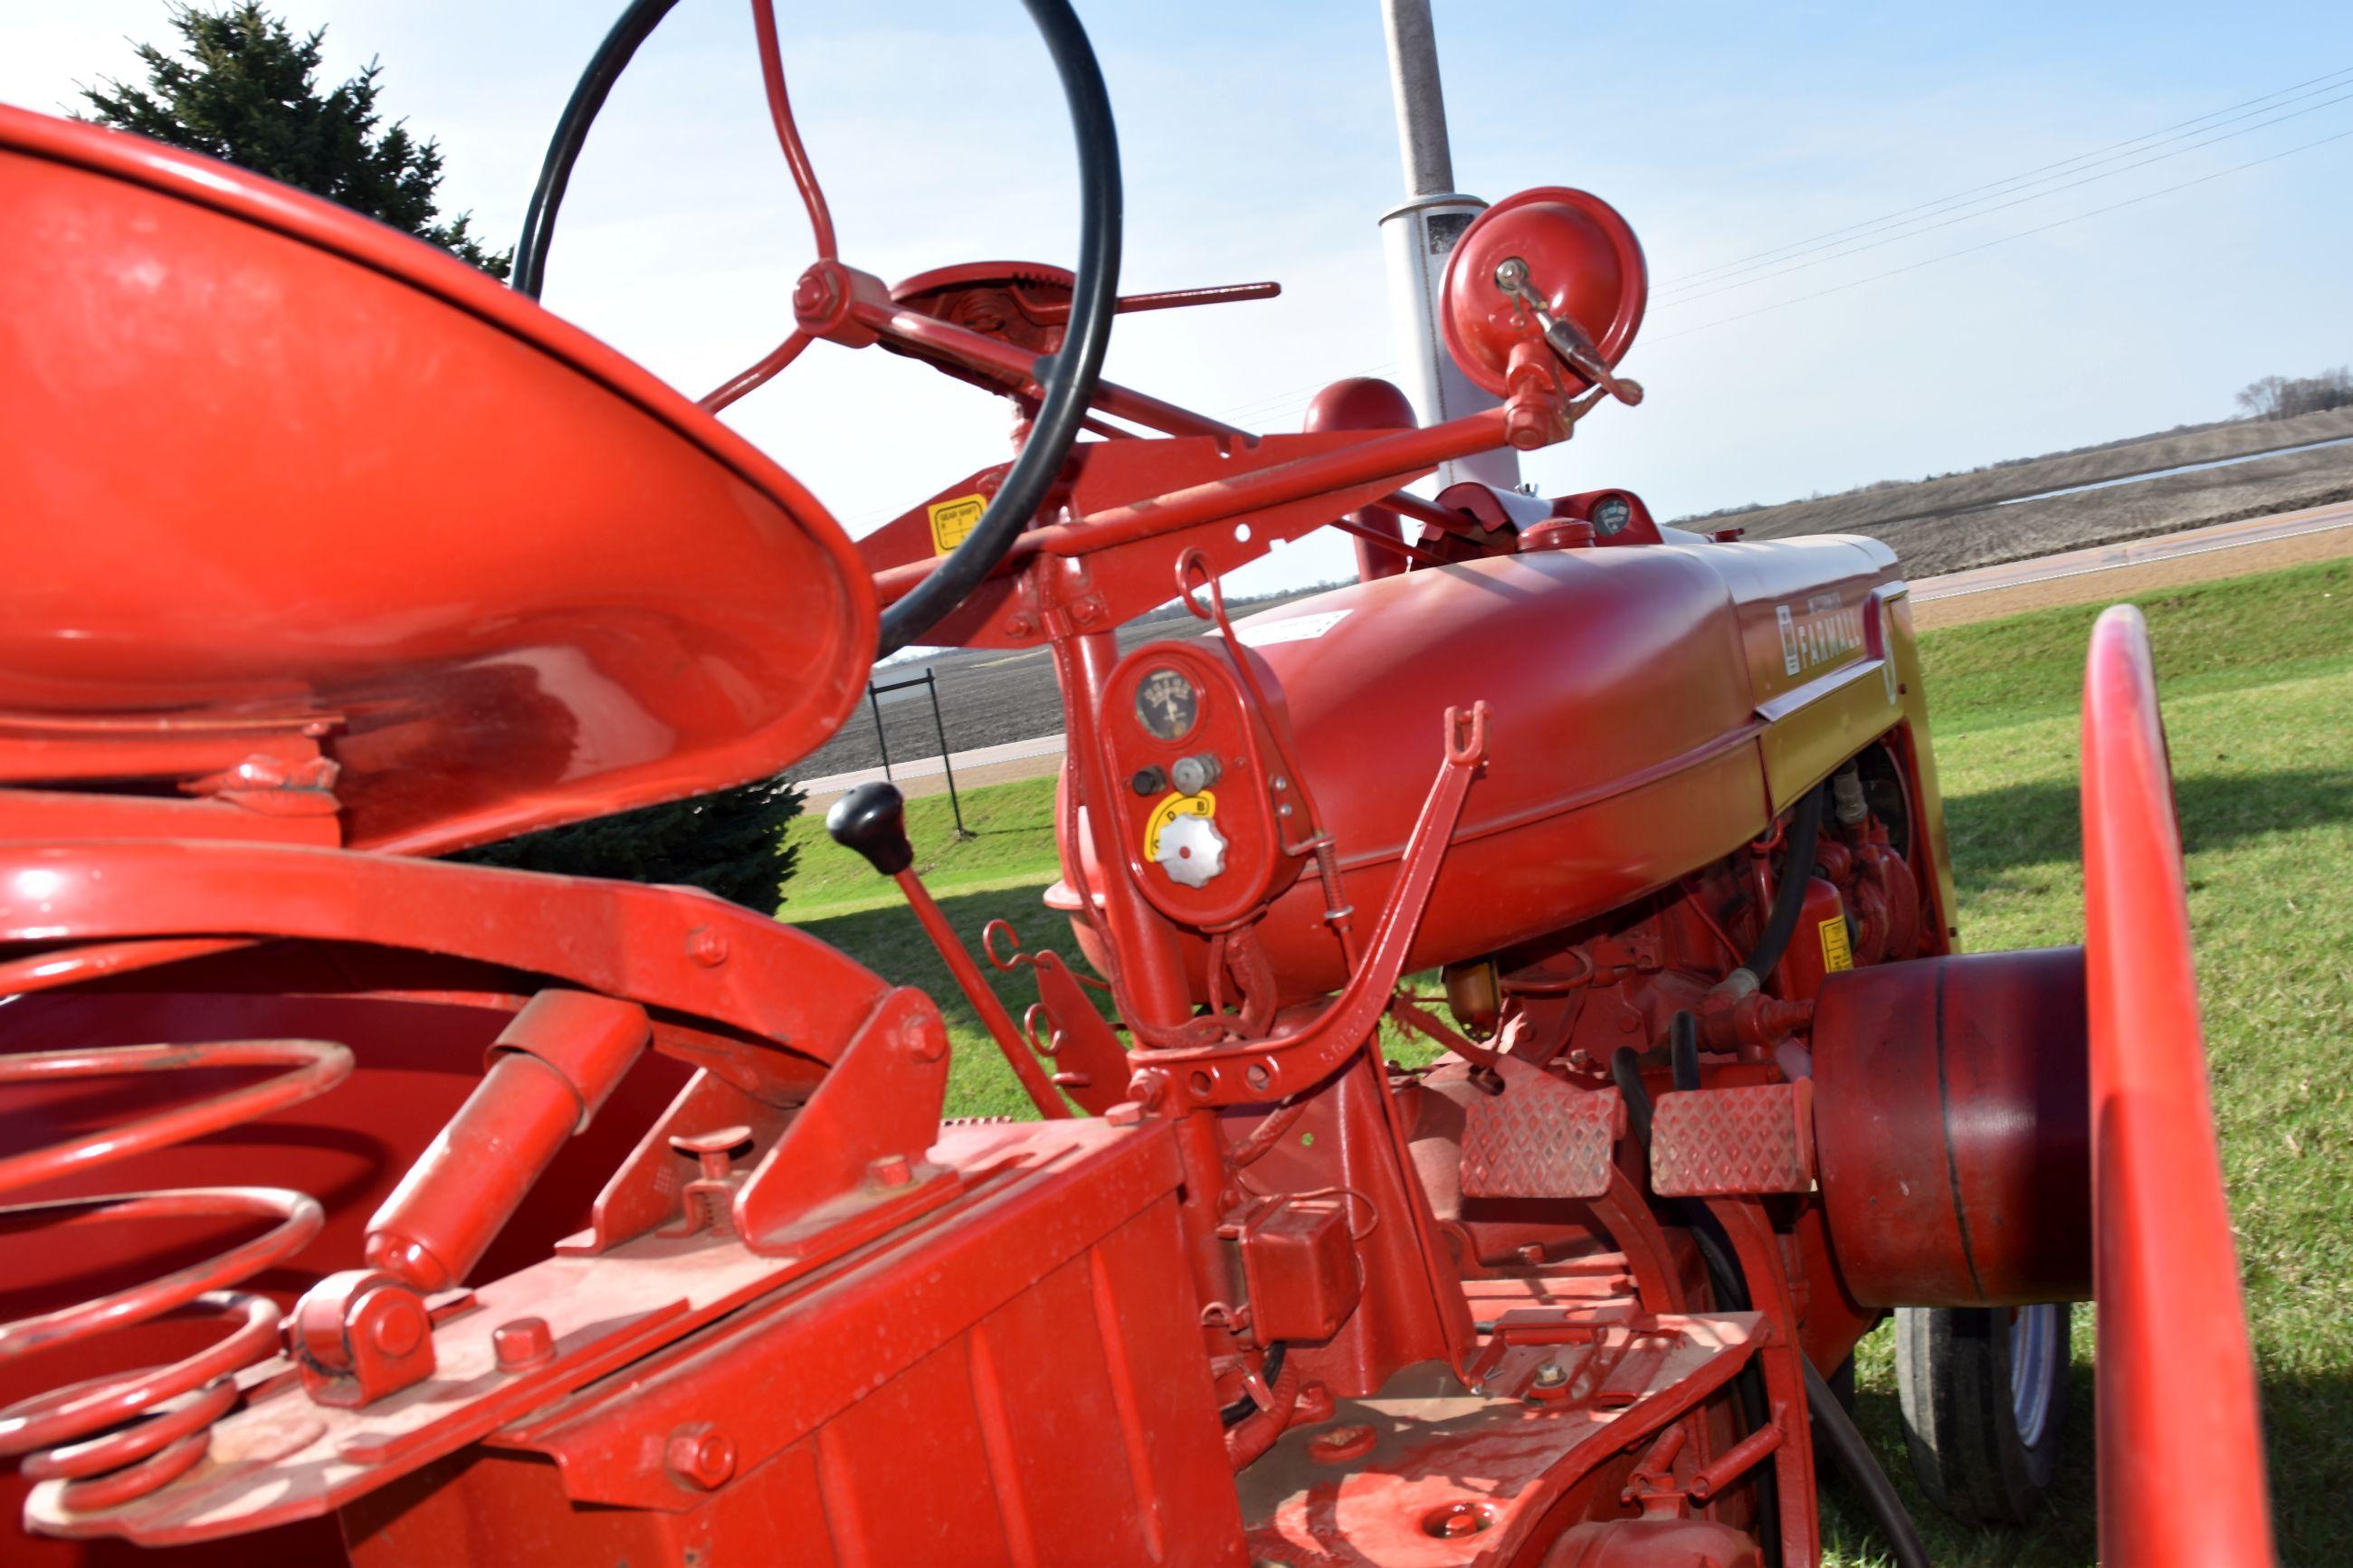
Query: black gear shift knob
{"points": [[872, 820]]}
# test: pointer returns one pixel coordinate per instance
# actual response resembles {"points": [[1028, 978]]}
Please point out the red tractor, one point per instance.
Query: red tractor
{"points": [[614, 1223]]}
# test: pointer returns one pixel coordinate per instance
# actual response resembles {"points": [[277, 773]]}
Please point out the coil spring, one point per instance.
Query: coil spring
{"points": [[113, 1438]]}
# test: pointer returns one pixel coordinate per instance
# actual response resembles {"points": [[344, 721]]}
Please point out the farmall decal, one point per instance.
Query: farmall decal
{"points": [[1824, 630]]}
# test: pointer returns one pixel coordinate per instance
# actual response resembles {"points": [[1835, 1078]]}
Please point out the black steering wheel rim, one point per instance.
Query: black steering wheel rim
{"points": [[1067, 378]]}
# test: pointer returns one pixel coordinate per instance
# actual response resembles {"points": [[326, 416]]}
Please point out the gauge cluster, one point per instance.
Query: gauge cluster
{"points": [[1196, 806]]}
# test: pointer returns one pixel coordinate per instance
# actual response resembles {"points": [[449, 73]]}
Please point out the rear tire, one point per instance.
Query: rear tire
{"points": [[1984, 1393]]}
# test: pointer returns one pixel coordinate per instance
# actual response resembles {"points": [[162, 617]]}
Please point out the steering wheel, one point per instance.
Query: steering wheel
{"points": [[1067, 378]]}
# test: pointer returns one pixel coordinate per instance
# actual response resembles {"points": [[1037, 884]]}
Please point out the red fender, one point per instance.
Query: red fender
{"points": [[2181, 1451]]}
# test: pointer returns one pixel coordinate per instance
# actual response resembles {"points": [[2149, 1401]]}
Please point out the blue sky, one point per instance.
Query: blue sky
{"points": [[1258, 143]]}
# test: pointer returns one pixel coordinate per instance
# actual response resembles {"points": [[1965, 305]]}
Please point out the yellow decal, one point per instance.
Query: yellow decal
{"points": [[1836, 955], [1170, 808], [952, 519]]}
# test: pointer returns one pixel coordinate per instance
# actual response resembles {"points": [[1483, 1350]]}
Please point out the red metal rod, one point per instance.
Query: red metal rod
{"points": [[1398, 453], [780, 110], [552, 1066], [756, 375], [1170, 298], [977, 350], [1000, 1024], [1735, 1462], [1401, 453], [1395, 546]]}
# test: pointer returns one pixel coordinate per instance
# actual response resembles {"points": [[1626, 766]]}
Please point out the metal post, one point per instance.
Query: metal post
{"points": [[940, 726], [880, 740], [1419, 234]]}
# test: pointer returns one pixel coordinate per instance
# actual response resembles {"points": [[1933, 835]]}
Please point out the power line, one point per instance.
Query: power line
{"points": [[2007, 238], [1726, 288], [1275, 401], [2287, 94], [1262, 410]]}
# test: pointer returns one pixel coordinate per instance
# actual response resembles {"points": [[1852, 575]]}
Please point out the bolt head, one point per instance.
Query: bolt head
{"points": [[395, 1322], [706, 947], [813, 295], [701, 1455], [523, 1342], [891, 1171], [1552, 1374], [927, 1038]]}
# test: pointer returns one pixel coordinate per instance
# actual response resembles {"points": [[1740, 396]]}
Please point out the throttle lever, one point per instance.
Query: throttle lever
{"points": [[1564, 336], [1168, 299]]}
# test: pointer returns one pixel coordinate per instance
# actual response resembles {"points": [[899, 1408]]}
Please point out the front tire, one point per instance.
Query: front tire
{"points": [[1984, 1394]]}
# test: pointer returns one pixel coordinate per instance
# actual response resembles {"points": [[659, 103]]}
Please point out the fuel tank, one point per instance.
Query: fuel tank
{"points": [[1650, 707]]}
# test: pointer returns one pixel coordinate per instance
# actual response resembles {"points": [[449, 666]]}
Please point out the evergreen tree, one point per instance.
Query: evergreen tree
{"points": [[245, 90], [731, 844]]}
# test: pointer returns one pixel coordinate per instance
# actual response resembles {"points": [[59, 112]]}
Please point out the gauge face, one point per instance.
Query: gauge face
{"points": [[1167, 705], [1611, 514]]}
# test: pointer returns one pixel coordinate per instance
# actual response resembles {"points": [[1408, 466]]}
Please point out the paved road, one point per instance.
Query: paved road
{"points": [[2136, 553], [2077, 576]]}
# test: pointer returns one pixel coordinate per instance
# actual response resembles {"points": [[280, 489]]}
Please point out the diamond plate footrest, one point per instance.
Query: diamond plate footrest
{"points": [[1539, 1138], [1717, 1142]]}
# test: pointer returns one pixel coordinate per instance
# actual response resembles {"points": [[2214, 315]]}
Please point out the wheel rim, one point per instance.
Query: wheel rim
{"points": [[2033, 1368]]}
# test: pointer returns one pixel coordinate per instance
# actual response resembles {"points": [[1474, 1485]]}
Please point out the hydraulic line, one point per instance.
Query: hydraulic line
{"points": [[1789, 899], [1837, 1429]]}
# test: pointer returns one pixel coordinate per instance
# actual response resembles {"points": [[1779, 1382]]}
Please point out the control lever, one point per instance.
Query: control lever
{"points": [[1564, 336], [872, 820], [1168, 300]]}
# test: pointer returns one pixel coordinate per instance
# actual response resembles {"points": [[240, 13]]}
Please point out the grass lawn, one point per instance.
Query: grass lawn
{"points": [[2257, 679]]}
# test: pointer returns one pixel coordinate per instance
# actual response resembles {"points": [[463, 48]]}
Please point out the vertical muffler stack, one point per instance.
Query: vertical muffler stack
{"points": [[1952, 1126]]}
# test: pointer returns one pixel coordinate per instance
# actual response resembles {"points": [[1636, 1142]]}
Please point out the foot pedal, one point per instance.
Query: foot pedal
{"points": [[1719, 1143], [1539, 1138]]}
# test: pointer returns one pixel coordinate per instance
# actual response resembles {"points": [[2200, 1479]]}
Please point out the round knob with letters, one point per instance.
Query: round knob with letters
{"points": [[1192, 851]]}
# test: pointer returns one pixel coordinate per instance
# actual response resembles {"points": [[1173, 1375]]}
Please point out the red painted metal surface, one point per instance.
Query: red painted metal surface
{"points": [[1951, 1127], [1273, 1298], [1637, 653], [1723, 1143], [550, 1068], [294, 468], [1539, 1138], [1583, 261], [2171, 1490], [1363, 403]]}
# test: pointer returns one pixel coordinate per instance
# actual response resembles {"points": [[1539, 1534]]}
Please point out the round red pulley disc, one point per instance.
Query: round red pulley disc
{"points": [[1583, 260]]}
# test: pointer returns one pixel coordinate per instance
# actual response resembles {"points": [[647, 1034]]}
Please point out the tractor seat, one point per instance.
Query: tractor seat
{"points": [[275, 475]]}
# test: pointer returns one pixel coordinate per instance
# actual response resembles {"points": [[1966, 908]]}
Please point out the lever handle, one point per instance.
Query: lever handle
{"points": [[872, 820], [1564, 336]]}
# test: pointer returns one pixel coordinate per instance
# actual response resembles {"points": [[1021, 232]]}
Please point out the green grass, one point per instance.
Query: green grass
{"points": [[2256, 676], [1010, 840], [2256, 679]]}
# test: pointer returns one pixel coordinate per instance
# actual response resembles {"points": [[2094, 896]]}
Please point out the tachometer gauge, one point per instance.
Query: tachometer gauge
{"points": [[1167, 705]]}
